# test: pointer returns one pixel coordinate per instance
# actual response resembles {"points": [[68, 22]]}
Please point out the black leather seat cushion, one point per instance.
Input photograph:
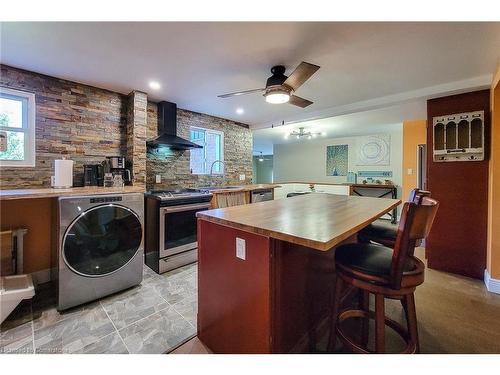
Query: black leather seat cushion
{"points": [[381, 230], [368, 258]]}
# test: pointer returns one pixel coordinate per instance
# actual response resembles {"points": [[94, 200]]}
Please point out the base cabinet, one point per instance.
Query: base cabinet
{"points": [[270, 302]]}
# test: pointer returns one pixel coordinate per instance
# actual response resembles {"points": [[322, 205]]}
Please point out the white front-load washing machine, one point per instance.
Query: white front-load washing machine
{"points": [[100, 248]]}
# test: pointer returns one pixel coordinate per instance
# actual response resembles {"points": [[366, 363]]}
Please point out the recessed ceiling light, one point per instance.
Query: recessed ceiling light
{"points": [[240, 111], [154, 85]]}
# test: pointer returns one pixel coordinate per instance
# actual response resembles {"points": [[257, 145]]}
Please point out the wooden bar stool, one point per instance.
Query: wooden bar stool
{"points": [[385, 233], [386, 273]]}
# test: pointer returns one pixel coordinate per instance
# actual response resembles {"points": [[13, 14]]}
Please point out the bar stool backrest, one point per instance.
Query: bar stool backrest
{"points": [[416, 195], [415, 224]]}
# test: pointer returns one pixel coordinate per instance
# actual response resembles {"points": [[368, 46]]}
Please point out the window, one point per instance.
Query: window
{"points": [[213, 149], [17, 128]]}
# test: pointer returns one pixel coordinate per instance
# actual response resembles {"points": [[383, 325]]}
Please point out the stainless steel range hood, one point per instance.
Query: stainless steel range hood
{"points": [[167, 129]]}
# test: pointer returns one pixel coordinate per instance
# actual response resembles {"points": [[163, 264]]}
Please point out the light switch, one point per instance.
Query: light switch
{"points": [[242, 177], [409, 171], [240, 248], [158, 178]]}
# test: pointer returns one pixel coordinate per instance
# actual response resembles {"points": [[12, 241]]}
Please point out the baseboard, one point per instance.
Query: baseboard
{"points": [[42, 276], [493, 285]]}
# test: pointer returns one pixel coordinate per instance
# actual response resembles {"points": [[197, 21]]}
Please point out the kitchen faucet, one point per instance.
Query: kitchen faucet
{"points": [[212, 169]]}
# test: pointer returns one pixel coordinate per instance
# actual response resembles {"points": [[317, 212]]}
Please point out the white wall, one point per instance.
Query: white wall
{"points": [[263, 170], [305, 161]]}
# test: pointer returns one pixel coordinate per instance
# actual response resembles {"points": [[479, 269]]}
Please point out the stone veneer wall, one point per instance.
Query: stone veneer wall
{"points": [[81, 122], [86, 124], [136, 136], [173, 166]]}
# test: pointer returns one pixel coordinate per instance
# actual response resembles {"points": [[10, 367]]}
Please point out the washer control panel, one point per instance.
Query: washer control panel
{"points": [[105, 199]]}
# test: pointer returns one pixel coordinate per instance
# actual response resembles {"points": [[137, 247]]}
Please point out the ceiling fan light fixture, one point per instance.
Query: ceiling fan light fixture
{"points": [[277, 97], [302, 132]]}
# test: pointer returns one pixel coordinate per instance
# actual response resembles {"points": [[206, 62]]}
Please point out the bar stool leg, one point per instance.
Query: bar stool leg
{"points": [[379, 323], [335, 313], [411, 317], [364, 304]]}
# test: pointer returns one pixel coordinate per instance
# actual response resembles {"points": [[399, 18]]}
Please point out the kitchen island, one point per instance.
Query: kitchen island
{"points": [[272, 294]]}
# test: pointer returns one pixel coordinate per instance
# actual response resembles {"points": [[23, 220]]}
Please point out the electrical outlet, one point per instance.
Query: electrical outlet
{"points": [[409, 171], [158, 178], [242, 177], [240, 248]]}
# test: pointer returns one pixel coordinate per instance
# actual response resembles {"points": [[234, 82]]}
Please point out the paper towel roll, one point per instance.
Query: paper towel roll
{"points": [[63, 174]]}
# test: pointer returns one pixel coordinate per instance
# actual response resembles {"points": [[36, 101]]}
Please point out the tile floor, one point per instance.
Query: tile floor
{"points": [[154, 317]]}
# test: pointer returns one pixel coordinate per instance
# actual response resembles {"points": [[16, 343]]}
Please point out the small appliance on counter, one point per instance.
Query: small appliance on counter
{"points": [[93, 175], [63, 174], [116, 165], [171, 227]]}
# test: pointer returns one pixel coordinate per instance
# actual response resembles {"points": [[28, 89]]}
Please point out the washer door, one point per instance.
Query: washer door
{"points": [[102, 240]]}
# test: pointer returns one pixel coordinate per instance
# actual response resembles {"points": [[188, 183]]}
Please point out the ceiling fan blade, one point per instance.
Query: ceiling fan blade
{"points": [[301, 74], [240, 93], [299, 102]]}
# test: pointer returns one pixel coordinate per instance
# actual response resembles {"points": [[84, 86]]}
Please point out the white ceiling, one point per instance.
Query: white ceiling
{"points": [[194, 62], [360, 123]]}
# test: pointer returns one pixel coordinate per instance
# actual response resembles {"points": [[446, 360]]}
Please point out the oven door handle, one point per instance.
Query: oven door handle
{"points": [[186, 207]]}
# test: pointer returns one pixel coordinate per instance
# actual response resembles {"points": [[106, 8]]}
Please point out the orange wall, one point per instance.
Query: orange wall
{"points": [[493, 260], [36, 216], [414, 134]]}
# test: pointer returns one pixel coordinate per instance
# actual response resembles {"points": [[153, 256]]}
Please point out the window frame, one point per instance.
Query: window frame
{"points": [[29, 130], [206, 170]]}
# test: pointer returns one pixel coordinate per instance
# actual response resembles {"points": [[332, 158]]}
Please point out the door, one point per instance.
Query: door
{"points": [[102, 240], [421, 167], [178, 228]]}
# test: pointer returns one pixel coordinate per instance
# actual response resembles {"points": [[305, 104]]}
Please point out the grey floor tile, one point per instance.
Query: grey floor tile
{"points": [[24, 346], [74, 333], [141, 313], [110, 344], [157, 333], [129, 307], [17, 339], [177, 287], [48, 315], [188, 308]]}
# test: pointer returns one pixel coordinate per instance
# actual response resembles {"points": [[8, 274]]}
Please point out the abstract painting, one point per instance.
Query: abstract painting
{"points": [[374, 150], [336, 160]]}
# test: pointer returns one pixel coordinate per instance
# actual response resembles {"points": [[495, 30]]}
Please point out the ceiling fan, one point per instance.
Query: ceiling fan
{"points": [[280, 88]]}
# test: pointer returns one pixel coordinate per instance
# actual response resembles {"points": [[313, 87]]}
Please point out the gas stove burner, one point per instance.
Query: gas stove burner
{"points": [[178, 193]]}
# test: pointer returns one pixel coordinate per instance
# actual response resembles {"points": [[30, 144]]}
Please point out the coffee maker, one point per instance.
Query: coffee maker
{"points": [[116, 165], [93, 175]]}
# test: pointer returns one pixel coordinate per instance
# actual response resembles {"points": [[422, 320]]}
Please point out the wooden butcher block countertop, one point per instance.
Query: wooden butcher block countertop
{"points": [[54, 193], [318, 221], [250, 187]]}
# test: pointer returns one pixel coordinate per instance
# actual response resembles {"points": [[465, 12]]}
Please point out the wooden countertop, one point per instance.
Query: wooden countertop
{"points": [[53, 193], [319, 221], [249, 187]]}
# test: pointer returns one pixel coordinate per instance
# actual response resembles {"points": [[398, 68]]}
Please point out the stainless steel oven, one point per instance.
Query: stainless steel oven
{"points": [[171, 227], [178, 228]]}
